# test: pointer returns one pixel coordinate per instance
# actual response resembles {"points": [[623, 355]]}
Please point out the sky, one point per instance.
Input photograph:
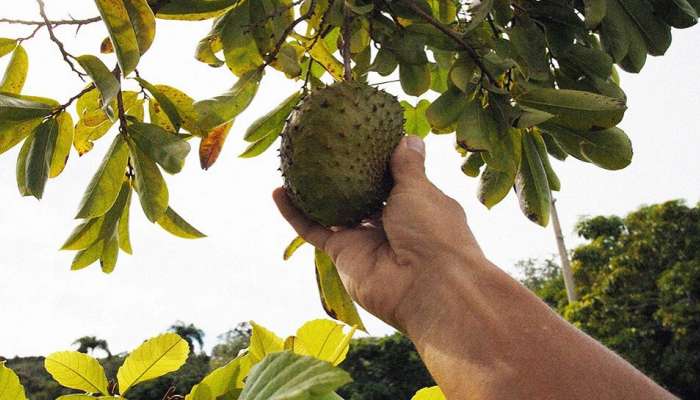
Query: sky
{"points": [[237, 272]]}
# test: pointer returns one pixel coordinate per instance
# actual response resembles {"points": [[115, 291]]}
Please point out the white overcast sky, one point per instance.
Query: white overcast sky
{"points": [[237, 273]]}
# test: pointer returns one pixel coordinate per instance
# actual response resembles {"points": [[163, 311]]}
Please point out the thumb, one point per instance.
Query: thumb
{"points": [[408, 161]]}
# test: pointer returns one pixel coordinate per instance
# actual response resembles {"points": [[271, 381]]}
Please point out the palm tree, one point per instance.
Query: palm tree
{"points": [[190, 333], [87, 344]]}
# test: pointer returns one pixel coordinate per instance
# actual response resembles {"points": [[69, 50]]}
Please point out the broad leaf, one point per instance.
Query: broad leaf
{"points": [[169, 108], [594, 12], [143, 22], [21, 168], [176, 225], [103, 189], [225, 107], [240, 48], [10, 387], [263, 342], [531, 184], [415, 78], [63, 144], [193, 10], [116, 17], [7, 45], [576, 109], [335, 299], [446, 109], [259, 147], [104, 79], [415, 119], [168, 150], [293, 247], [272, 122], [150, 185], [222, 380], [324, 340], [123, 227], [40, 155], [16, 109], [16, 72], [11, 133], [287, 376], [152, 359], [77, 371]]}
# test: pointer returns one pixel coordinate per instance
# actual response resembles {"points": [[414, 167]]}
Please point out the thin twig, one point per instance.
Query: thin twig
{"points": [[66, 55], [345, 50], [453, 35], [385, 82], [70, 101], [31, 35], [53, 23], [272, 56]]}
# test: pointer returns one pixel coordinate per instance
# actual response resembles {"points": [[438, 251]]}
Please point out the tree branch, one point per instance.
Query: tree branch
{"points": [[66, 55], [272, 55], [346, 32], [452, 35], [70, 101], [53, 23]]}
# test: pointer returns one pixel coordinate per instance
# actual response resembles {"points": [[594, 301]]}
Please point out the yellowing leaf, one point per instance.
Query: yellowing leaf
{"points": [[322, 55], [335, 299], [211, 145], [176, 225], [193, 10], [143, 22], [63, 144], [415, 121], [105, 81], [154, 358], [222, 380], [104, 187], [240, 49], [116, 17], [86, 257], [185, 107], [17, 109], [431, 393], [11, 133], [168, 150], [16, 72], [323, 339], [226, 107], [273, 121], [292, 247], [7, 45], [123, 228], [10, 387], [150, 185], [262, 343], [77, 371], [259, 147]]}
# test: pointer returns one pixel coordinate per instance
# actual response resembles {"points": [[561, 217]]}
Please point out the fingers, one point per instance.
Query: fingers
{"points": [[312, 232], [408, 161]]}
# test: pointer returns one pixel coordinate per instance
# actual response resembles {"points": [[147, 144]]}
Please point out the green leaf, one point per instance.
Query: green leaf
{"points": [[287, 376], [110, 253], [472, 165], [222, 380], [293, 247], [531, 117], [494, 186], [610, 148], [21, 169], [86, 257], [576, 109], [63, 144], [176, 225], [499, 176], [415, 78], [446, 109], [11, 133], [193, 10], [164, 101], [677, 13], [259, 147], [165, 148], [240, 48], [16, 72], [10, 387], [225, 107], [86, 397], [594, 12], [655, 32], [335, 299], [150, 185], [552, 178], [84, 235], [123, 227], [77, 371], [431, 393], [116, 17], [40, 155], [143, 22], [415, 120], [103, 189], [529, 43], [616, 31], [185, 108], [263, 342], [476, 127], [17, 109], [273, 121], [104, 79], [324, 340], [462, 73], [7, 45], [152, 359], [531, 184]]}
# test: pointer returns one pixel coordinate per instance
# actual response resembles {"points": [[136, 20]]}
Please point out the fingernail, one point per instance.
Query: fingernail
{"points": [[416, 144]]}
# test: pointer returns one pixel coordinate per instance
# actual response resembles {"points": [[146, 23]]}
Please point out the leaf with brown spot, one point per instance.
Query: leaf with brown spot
{"points": [[210, 147], [106, 47]]}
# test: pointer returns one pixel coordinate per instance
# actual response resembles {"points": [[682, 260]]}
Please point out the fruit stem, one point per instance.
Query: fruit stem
{"points": [[347, 33]]}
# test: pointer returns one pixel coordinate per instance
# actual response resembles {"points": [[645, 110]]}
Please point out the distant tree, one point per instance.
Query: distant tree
{"points": [[232, 342], [545, 279], [639, 281], [87, 344], [190, 333], [383, 369]]}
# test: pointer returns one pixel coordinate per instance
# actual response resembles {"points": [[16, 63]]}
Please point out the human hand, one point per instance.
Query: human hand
{"points": [[393, 266]]}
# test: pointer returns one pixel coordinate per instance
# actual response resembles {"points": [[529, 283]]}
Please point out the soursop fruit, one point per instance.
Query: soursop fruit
{"points": [[336, 149]]}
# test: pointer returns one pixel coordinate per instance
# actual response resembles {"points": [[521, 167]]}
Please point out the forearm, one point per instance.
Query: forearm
{"points": [[484, 336]]}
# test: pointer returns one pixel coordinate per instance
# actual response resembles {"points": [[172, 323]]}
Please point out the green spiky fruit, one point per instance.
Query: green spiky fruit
{"points": [[336, 149]]}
